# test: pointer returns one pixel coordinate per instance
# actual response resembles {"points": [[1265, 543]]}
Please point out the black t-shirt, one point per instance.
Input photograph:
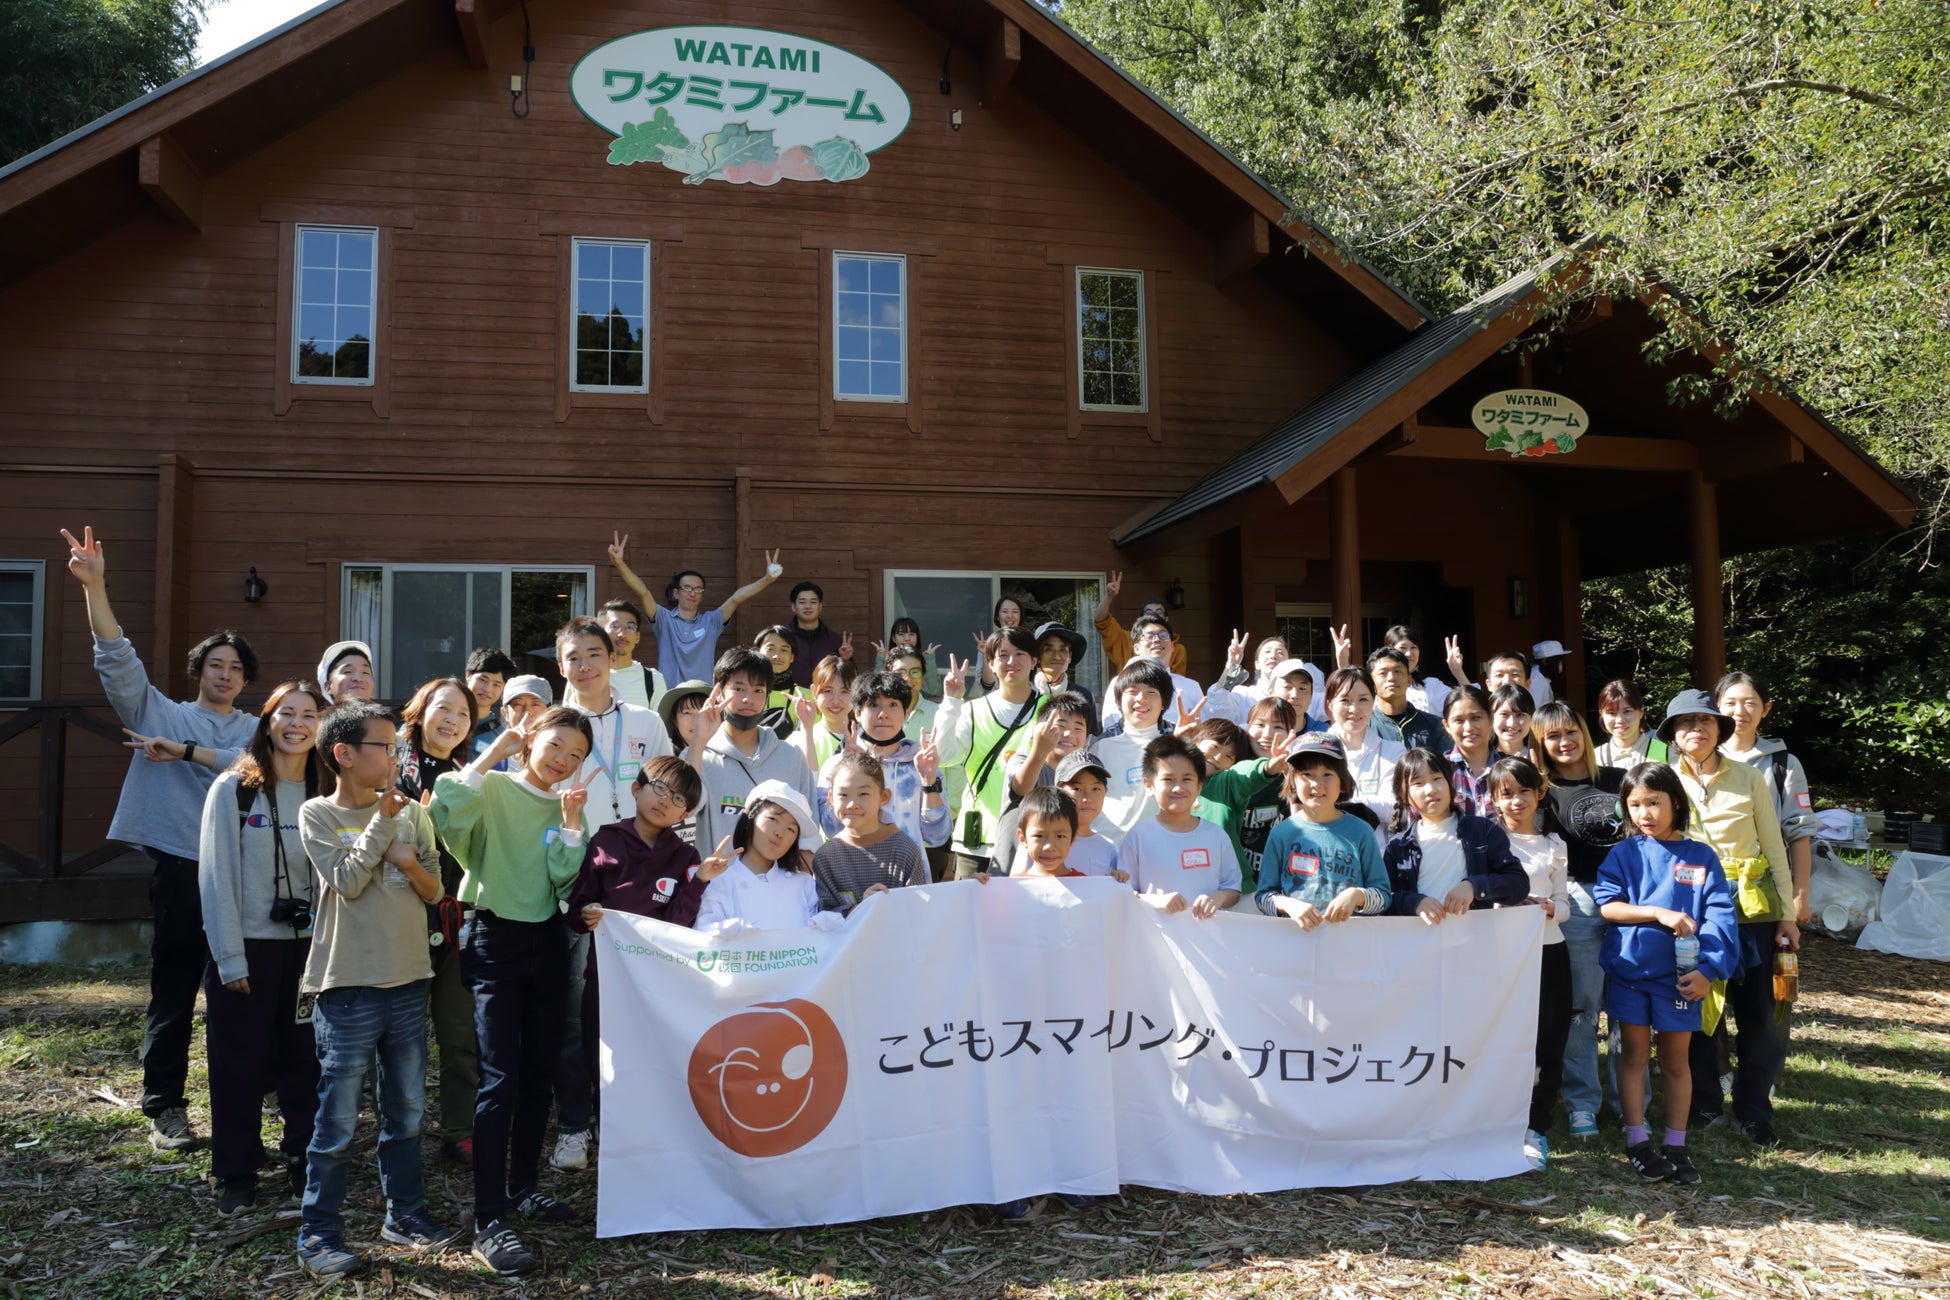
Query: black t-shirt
{"points": [[1587, 814]]}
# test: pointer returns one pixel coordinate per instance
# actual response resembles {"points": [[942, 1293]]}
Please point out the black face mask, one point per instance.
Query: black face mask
{"points": [[742, 721]]}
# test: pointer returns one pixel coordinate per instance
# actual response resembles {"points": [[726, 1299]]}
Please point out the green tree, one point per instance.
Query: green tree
{"points": [[64, 63]]}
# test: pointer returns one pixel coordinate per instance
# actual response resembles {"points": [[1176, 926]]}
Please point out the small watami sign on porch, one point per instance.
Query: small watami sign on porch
{"points": [[1529, 422], [739, 104]]}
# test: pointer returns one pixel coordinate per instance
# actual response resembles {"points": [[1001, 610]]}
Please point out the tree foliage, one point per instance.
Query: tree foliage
{"points": [[1847, 638], [64, 63], [1781, 163]]}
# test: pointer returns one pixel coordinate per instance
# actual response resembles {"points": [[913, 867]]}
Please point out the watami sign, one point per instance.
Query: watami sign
{"points": [[1529, 422], [739, 104]]}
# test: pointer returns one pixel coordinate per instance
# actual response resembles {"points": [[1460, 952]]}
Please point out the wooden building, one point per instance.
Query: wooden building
{"points": [[928, 295]]}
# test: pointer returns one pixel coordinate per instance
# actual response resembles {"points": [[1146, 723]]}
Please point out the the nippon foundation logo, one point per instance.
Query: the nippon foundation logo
{"points": [[769, 1079]]}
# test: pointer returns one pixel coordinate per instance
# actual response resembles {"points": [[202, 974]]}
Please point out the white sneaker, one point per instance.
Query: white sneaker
{"points": [[571, 1151], [1584, 1124], [1536, 1149]]}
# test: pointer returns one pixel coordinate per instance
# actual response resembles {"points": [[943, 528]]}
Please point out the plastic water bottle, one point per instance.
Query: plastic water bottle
{"points": [[1685, 952], [1859, 828]]}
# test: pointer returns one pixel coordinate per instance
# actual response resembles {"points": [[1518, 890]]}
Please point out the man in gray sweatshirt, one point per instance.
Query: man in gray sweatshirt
{"points": [[180, 747]]}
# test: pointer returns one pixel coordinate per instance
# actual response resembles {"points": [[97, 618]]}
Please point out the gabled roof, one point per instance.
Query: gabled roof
{"points": [[72, 190], [1354, 400], [1303, 450]]}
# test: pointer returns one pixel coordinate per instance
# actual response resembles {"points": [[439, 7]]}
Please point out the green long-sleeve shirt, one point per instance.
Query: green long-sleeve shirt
{"points": [[1245, 801], [518, 860]]}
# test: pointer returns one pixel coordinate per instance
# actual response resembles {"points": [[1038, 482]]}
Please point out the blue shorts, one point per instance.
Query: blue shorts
{"points": [[1650, 1002]]}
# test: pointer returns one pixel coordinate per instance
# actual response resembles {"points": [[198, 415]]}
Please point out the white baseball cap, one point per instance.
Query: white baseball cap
{"points": [[335, 652], [1548, 650]]}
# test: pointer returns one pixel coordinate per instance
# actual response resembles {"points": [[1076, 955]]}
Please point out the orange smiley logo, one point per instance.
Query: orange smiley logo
{"points": [[769, 1079]]}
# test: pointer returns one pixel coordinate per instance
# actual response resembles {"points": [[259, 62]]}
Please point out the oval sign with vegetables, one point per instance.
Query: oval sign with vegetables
{"points": [[1529, 422], [744, 105]]}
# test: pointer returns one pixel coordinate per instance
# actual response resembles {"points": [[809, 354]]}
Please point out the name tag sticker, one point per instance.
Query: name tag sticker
{"points": [[1686, 875], [552, 834], [1134, 775], [1303, 864], [1801, 801], [1195, 859], [626, 772], [348, 837]]}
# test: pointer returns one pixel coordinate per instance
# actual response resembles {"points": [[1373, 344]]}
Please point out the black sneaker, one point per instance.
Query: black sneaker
{"points": [[1761, 1133], [417, 1230], [544, 1208], [1652, 1165], [235, 1195], [1076, 1201], [295, 1176], [1010, 1211], [1683, 1170], [500, 1249]]}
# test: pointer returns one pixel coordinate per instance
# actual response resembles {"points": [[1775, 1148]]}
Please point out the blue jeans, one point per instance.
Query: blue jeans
{"points": [[1584, 932], [351, 1025]]}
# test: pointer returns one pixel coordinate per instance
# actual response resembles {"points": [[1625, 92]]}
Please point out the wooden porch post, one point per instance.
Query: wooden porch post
{"points": [[175, 508], [1344, 541], [742, 569], [1709, 610], [1571, 610]]}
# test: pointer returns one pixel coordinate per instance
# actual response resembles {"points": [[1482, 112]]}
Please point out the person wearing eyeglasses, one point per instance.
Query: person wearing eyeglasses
{"points": [[1151, 638], [687, 633]]}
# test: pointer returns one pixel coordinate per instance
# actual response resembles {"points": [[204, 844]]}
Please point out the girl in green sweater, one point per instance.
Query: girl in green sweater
{"points": [[519, 845]]}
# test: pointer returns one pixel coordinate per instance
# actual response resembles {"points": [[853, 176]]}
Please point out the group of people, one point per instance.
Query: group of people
{"points": [[333, 873]]}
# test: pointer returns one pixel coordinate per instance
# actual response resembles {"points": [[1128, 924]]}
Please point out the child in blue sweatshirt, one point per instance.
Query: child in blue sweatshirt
{"points": [[1440, 862], [1320, 864], [1653, 887]]}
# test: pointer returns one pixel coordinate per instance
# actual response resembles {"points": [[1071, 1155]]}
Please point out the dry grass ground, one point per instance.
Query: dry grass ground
{"points": [[1857, 1205]]}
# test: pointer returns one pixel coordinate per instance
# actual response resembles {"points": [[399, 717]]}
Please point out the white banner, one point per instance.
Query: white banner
{"points": [[971, 1044]]}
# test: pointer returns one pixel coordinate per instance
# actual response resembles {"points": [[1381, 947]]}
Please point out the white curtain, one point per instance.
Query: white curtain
{"points": [[365, 607]]}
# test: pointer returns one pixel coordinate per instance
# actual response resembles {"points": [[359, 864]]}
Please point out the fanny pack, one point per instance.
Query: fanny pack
{"points": [[1755, 896]]}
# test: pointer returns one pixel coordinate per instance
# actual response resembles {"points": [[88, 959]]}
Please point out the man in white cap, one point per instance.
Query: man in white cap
{"points": [[345, 672], [1540, 684]]}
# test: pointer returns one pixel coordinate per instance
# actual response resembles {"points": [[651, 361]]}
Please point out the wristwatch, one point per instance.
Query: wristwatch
{"points": [[189, 751], [932, 787]]}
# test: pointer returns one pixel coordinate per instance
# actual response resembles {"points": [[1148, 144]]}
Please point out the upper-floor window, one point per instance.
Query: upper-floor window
{"points": [[870, 327], [333, 306], [1110, 339], [609, 338]]}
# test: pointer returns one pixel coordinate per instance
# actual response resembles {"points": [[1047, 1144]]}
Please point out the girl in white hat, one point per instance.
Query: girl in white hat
{"points": [[769, 885]]}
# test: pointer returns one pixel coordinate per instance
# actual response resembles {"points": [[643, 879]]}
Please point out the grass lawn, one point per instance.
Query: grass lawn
{"points": [[1856, 1205]]}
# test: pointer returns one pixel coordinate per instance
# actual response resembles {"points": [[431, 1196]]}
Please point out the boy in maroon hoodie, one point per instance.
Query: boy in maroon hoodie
{"points": [[641, 866]]}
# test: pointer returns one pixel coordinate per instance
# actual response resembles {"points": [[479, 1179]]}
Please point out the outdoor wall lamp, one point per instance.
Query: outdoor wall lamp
{"points": [[954, 119], [1175, 595], [1519, 598], [254, 587]]}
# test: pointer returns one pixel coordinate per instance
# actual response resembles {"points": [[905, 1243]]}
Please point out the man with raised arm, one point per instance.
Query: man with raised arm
{"points": [[181, 746], [687, 633]]}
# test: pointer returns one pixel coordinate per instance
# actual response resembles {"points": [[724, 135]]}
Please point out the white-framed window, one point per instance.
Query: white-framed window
{"points": [[870, 327], [335, 292], [1110, 339], [421, 620], [609, 331], [22, 586], [951, 605], [1306, 627]]}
